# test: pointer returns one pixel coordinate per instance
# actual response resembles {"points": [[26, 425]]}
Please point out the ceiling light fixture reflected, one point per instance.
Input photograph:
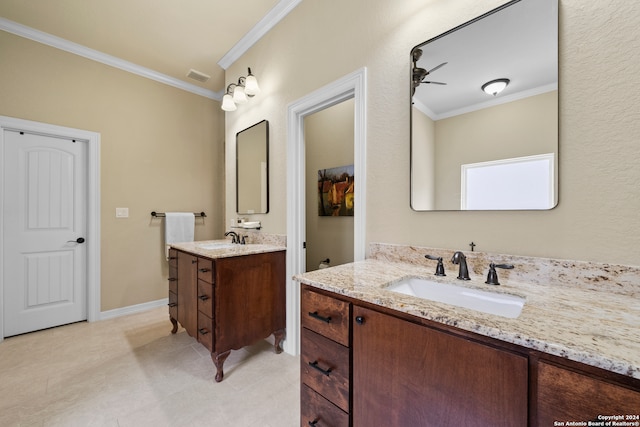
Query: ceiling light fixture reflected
{"points": [[494, 87], [239, 93]]}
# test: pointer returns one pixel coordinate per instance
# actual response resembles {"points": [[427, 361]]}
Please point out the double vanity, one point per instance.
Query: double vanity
{"points": [[227, 295], [387, 342]]}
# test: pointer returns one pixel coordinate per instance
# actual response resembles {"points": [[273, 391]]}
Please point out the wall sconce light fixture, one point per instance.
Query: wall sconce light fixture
{"points": [[494, 87], [238, 93]]}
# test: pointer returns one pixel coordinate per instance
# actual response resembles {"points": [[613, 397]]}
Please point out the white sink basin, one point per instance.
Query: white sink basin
{"points": [[217, 245], [487, 302]]}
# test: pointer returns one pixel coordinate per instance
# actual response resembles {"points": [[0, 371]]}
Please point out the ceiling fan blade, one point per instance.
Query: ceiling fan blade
{"points": [[436, 67], [435, 83]]}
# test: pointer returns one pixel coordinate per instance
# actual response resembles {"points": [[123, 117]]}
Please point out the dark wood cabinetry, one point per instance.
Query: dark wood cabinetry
{"points": [[564, 394], [365, 365], [229, 303], [426, 377], [325, 360]]}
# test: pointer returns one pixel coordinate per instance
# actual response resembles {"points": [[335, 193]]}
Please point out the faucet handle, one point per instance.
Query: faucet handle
{"points": [[492, 276], [439, 267]]}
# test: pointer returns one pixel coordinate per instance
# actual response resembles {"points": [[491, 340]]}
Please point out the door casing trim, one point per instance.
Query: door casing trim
{"points": [[93, 203], [354, 86]]}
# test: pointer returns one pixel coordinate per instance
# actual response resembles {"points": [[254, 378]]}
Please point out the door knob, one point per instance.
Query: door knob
{"points": [[78, 240]]}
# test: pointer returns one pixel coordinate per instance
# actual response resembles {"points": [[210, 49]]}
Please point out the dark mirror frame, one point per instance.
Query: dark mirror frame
{"points": [[262, 145], [438, 66]]}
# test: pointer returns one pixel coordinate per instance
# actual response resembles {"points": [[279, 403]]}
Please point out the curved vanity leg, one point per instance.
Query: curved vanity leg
{"points": [[279, 336], [218, 360], [175, 325]]}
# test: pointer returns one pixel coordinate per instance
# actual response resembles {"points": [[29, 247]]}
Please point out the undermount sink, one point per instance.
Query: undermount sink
{"points": [[217, 245], [487, 302]]}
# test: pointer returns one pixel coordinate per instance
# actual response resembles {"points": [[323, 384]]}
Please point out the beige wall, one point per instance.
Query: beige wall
{"points": [[516, 129], [328, 144], [597, 216], [161, 149], [423, 161]]}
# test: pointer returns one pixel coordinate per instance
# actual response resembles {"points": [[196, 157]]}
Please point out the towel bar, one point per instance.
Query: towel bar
{"points": [[162, 215]]}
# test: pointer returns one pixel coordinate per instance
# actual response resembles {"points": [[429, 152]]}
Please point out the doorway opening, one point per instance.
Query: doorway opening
{"points": [[330, 186]]}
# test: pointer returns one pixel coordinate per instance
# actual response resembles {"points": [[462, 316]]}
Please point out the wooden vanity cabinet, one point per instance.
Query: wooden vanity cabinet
{"points": [[564, 393], [187, 302], [173, 289], [407, 371], [229, 303], [325, 360], [405, 374]]}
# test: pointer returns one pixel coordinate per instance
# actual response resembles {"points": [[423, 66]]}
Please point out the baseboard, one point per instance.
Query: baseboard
{"points": [[117, 312]]}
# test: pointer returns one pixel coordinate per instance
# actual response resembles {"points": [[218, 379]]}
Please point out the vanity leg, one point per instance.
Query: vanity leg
{"points": [[175, 325], [279, 336], [218, 360]]}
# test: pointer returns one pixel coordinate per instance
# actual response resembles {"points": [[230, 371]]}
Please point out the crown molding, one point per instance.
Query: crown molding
{"points": [[94, 55], [263, 26]]}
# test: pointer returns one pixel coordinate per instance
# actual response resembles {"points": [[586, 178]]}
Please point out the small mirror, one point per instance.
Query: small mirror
{"points": [[474, 147], [252, 169]]}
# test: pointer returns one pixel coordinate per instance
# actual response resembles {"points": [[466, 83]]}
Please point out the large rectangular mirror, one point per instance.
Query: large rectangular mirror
{"points": [[252, 169], [475, 147]]}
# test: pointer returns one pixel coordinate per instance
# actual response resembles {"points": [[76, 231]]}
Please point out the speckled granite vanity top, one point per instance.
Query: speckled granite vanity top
{"points": [[583, 311], [225, 249]]}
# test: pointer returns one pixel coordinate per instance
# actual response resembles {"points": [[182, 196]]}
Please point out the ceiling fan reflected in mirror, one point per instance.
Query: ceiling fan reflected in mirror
{"points": [[419, 74]]}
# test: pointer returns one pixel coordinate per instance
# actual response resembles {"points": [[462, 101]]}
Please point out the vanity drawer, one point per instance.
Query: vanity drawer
{"points": [[205, 331], [173, 283], [205, 298], [205, 270], [316, 410], [324, 366], [326, 316], [173, 305]]}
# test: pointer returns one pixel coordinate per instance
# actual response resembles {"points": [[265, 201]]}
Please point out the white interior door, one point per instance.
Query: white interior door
{"points": [[44, 226]]}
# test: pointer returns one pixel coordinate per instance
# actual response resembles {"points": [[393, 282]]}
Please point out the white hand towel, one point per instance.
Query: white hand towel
{"points": [[178, 227]]}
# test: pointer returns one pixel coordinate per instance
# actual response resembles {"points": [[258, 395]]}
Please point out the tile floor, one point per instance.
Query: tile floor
{"points": [[131, 371]]}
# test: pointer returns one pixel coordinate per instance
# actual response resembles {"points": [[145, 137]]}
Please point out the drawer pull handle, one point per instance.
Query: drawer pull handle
{"points": [[194, 261], [203, 297], [313, 423], [203, 331], [359, 320], [315, 315], [173, 257], [172, 304], [173, 279], [205, 270], [315, 366]]}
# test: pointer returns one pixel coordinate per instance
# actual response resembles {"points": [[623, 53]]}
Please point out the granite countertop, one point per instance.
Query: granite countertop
{"points": [[224, 248], [592, 326]]}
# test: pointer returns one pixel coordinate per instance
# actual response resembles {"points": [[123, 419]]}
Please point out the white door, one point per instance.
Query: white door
{"points": [[44, 226]]}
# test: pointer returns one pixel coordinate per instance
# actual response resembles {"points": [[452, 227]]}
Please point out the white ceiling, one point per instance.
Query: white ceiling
{"points": [[519, 42], [167, 36]]}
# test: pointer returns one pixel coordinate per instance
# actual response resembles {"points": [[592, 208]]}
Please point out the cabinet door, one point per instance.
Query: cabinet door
{"points": [[564, 395], [250, 299], [411, 375], [187, 290]]}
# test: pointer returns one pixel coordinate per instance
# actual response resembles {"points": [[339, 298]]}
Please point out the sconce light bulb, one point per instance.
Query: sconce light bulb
{"points": [[251, 87], [239, 96], [228, 104]]}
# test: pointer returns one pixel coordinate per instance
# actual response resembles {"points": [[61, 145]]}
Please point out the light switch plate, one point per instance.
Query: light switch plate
{"points": [[122, 212]]}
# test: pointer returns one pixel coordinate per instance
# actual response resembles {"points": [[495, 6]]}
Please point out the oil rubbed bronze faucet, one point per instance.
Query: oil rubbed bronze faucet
{"points": [[439, 267], [234, 236], [463, 272], [492, 276]]}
